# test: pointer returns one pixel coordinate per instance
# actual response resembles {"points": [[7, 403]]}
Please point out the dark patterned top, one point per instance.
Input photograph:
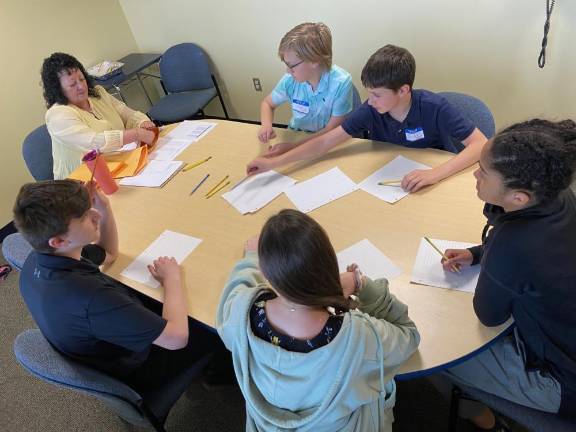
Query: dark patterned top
{"points": [[262, 329]]}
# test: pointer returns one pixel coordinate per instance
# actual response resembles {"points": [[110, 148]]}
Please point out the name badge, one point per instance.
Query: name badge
{"points": [[414, 134], [300, 106]]}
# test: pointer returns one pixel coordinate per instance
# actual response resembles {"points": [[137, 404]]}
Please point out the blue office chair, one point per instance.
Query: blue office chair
{"points": [[188, 83], [530, 418], [356, 101], [474, 110], [39, 358], [16, 249], [37, 153]]}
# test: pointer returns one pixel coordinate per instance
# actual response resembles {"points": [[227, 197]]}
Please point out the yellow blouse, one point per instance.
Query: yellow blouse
{"points": [[75, 131]]}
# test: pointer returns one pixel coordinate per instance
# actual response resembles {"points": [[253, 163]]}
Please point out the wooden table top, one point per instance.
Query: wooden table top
{"points": [[449, 210]]}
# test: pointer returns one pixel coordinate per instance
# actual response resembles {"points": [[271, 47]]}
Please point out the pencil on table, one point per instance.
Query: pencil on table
{"points": [[195, 164], [218, 184], [390, 183], [218, 190], [199, 184], [441, 253]]}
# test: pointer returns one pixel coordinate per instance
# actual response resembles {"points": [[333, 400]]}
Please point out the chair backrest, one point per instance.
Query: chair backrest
{"points": [[16, 249], [533, 419], [474, 110], [185, 67], [39, 358], [37, 153], [356, 101]]}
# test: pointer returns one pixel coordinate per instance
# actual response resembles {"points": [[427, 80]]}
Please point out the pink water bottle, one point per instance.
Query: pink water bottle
{"points": [[97, 165]]}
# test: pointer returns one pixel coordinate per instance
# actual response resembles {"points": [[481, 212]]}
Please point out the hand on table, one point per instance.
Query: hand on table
{"points": [[266, 133], [457, 258], [278, 149], [418, 179], [165, 269], [259, 165]]}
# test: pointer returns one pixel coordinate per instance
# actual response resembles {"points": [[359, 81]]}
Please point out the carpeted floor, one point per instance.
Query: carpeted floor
{"points": [[30, 405]]}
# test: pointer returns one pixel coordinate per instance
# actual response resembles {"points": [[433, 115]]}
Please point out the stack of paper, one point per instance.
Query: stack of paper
{"points": [[191, 130], [428, 269], [371, 261], [156, 174], [394, 170], [254, 193], [169, 243], [170, 146], [320, 190]]}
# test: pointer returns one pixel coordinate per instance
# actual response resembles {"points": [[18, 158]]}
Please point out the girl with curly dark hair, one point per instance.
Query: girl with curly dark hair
{"points": [[82, 117], [528, 270]]}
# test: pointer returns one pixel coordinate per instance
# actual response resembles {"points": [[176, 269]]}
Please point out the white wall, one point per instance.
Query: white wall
{"points": [[31, 31], [487, 48]]}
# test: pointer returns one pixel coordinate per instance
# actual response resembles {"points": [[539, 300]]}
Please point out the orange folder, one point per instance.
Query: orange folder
{"points": [[125, 164]]}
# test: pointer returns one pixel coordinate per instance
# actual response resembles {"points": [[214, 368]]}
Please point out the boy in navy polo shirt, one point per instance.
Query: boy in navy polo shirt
{"points": [[395, 113], [88, 315]]}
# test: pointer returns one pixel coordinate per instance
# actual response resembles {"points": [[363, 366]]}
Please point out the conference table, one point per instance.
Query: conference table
{"points": [[449, 210]]}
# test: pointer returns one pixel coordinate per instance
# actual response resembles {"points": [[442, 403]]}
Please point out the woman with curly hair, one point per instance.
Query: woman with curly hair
{"points": [[528, 271], [82, 117]]}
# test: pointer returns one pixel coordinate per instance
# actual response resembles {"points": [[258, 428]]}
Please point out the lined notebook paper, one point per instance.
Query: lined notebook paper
{"points": [[429, 271]]}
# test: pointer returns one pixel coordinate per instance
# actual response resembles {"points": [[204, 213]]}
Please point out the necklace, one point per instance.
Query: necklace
{"points": [[291, 307]]}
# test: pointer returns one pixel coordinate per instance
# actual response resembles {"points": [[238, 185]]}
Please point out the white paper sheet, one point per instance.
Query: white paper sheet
{"points": [[168, 149], [155, 174], [428, 269], [393, 170], [191, 130], [371, 261], [169, 243], [320, 190], [129, 147], [254, 193]]}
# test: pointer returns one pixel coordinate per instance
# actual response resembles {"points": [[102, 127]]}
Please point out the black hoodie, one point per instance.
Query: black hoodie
{"points": [[528, 271]]}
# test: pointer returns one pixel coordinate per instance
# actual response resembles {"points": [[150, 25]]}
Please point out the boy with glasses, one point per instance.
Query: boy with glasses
{"points": [[394, 113], [319, 92]]}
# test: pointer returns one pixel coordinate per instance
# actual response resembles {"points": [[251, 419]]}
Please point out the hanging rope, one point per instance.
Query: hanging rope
{"points": [[542, 57]]}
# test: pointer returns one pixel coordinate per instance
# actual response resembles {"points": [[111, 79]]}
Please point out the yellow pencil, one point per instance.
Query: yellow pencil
{"points": [[215, 187], [218, 190], [390, 183], [441, 253], [195, 164]]}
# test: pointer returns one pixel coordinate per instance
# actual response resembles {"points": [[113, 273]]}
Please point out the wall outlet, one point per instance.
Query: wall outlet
{"points": [[257, 85]]}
